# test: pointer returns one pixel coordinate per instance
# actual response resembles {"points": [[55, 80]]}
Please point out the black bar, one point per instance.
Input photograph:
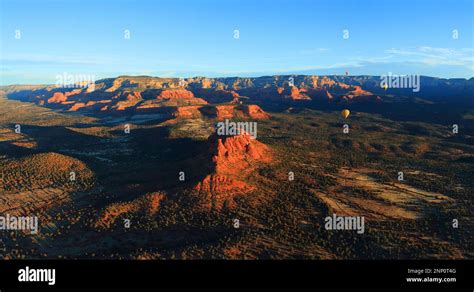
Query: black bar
{"points": [[235, 274]]}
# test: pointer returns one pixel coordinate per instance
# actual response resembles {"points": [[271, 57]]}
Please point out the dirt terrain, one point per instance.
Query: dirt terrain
{"points": [[142, 174]]}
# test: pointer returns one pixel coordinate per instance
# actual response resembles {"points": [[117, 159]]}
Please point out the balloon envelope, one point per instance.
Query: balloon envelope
{"points": [[345, 113]]}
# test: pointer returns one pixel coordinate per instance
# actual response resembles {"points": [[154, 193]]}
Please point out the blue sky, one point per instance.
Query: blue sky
{"points": [[183, 38]]}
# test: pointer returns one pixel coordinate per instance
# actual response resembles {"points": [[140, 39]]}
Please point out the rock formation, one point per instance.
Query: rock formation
{"points": [[234, 158]]}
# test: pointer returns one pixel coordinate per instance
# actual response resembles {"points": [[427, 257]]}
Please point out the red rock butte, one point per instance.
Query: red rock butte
{"points": [[187, 112], [233, 154], [234, 159], [229, 111], [175, 93], [254, 111]]}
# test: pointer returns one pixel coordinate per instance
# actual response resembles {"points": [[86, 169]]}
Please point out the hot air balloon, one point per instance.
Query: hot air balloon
{"points": [[345, 113]]}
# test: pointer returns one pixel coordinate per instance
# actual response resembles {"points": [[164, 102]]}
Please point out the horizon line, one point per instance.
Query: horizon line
{"points": [[248, 77]]}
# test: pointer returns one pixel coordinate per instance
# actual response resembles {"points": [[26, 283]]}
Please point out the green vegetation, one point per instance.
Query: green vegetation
{"points": [[279, 219]]}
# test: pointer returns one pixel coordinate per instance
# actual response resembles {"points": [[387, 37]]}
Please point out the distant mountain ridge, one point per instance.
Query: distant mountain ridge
{"points": [[145, 93]]}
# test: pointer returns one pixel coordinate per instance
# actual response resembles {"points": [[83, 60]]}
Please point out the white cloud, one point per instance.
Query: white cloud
{"points": [[436, 56], [42, 58]]}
